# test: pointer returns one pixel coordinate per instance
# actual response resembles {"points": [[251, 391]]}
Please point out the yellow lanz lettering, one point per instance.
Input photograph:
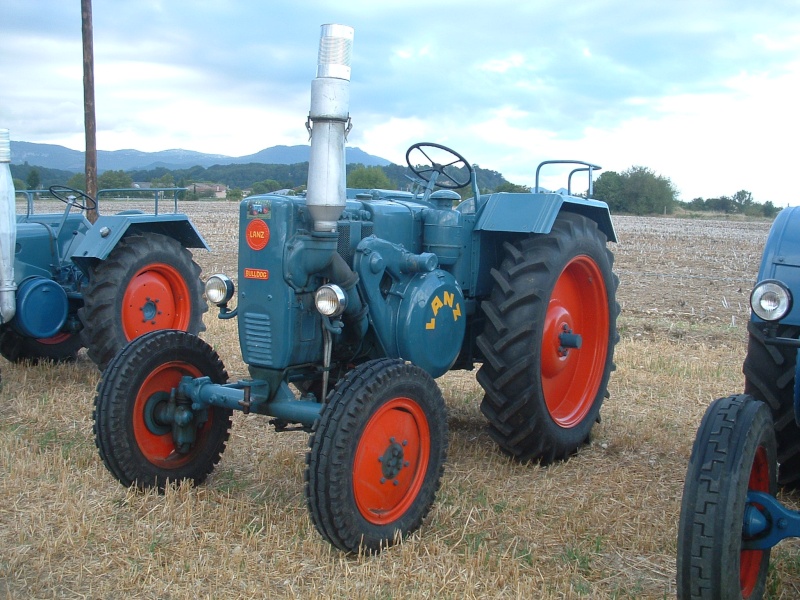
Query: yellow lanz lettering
{"points": [[431, 324], [456, 311], [448, 298], [436, 304]]}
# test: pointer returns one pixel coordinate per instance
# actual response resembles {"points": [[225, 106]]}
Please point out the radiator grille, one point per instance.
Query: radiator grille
{"points": [[343, 247], [349, 236], [258, 338]]}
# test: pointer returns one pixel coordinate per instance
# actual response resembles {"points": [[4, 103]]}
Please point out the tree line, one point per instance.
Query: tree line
{"points": [[640, 191], [637, 191]]}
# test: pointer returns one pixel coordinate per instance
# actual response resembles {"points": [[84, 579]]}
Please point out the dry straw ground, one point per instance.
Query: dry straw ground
{"points": [[602, 525]]}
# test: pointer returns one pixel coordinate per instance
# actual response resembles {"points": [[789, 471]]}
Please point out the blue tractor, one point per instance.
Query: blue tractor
{"points": [[749, 444], [69, 283], [350, 305]]}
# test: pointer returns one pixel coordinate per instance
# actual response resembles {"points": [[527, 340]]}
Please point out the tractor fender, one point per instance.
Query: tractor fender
{"points": [[781, 258], [108, 230], [536, 213]]}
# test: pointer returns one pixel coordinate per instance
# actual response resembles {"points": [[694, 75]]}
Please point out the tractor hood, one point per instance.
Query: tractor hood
{"points": [[8, 232]]}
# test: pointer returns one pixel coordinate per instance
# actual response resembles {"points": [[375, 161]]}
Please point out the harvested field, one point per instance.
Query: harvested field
{"points": [[601, 525]]}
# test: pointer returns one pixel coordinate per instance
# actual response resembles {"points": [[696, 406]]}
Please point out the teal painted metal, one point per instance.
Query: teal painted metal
{"points": [[107, 231], [413, 268], [781, 258], [55, 254], [536, 213]]}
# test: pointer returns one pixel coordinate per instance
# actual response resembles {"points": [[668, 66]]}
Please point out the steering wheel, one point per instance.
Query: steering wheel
{"points": [[448, 178], [57, 191]]}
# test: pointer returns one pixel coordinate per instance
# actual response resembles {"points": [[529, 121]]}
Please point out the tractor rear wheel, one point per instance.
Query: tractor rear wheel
{"points": [[769, 373], [376, 455], [734, 451], [62, 347], [135, 445], [548, 342], [148, 282]]}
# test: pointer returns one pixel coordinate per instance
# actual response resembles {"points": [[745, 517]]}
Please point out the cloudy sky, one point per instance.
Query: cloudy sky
{"points": [[704, 92]]}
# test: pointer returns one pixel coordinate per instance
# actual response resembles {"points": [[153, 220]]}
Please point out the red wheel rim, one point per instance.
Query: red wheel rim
{"points": [[157, 297], [750, 560], [391, 461], [158, 447], [55, 339], [571, 377]]}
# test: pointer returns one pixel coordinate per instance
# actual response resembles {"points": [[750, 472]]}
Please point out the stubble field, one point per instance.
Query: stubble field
{"points": [[601, 525]]}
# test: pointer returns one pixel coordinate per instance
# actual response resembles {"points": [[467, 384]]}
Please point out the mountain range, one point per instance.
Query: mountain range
{"points": [[52, 156]]}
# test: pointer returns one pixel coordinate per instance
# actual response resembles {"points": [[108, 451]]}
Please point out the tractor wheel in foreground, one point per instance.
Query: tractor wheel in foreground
{"points": [[62, 347], [135, 445], [734, 452], [376, 456], [548, 342], [148, 282], [769, 373]]}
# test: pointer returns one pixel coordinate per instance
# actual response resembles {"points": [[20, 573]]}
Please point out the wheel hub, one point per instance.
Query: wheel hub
{"points": [[149, 310], [393, 460]]}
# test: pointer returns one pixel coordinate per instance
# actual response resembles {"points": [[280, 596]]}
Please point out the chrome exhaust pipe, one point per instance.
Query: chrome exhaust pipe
{"points": [[328, 124]]}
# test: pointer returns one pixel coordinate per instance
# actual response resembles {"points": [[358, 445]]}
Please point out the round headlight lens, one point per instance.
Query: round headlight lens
{"points": [[330, 300], [771, 300], [219, 289]]}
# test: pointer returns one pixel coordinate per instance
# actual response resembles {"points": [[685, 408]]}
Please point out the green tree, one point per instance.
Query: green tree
{"points": [[34, 180], [166, 180], [235, 194], [770, 210], [513, 188], [114, 180], [266, 186], [370, 178], [638, 191], [19, 185], [77, 181]]}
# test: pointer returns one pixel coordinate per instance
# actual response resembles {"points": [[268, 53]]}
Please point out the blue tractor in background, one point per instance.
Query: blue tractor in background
{"points": [[72, 283], [349, 305], [749, 444]]}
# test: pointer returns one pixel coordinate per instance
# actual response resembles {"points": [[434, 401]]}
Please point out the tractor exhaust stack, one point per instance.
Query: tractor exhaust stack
{"points": [[328, 125], [8, 232]]}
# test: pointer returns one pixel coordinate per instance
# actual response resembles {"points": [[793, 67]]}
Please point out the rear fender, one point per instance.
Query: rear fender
{"points": [[536, 213], [107, 231]]}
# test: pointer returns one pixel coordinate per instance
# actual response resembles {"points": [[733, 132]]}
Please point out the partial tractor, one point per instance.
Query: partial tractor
{"points": [[749, 444], [349, 306], [69, 283]]}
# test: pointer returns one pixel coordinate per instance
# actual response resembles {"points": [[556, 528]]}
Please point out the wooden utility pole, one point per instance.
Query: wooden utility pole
{"points": [[90, 123]]}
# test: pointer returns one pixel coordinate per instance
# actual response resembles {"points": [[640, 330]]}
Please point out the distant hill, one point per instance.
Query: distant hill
{"points": [[52, 156]]}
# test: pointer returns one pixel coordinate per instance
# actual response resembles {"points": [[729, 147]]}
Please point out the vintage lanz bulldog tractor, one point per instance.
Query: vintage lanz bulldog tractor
{"points": [[360, 303], [66, 283], [749, 443]]}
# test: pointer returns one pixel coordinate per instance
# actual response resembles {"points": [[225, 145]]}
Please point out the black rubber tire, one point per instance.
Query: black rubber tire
{"points": [[150, 363], [735, 442], [516, 405], [769, 373], [378, 398], [104, 309], [15, 348]]}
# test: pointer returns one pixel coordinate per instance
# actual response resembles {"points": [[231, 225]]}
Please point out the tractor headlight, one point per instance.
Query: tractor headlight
{"points": [[219, 289], [771, 300], [330, 300]]}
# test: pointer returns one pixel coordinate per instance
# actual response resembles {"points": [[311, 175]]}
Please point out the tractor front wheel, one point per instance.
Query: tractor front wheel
{"points": [[769, 373], [135, 443], [734, 451], [548, 342], [149, 282], [376, 455]]}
